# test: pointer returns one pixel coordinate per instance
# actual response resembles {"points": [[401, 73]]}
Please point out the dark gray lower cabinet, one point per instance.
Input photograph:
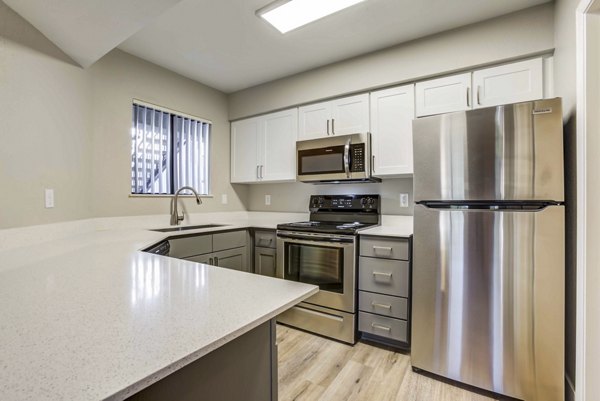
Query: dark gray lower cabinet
{"points": [[265, 260], [384, 290], [265, 252], [244, 369], [235, 259]]}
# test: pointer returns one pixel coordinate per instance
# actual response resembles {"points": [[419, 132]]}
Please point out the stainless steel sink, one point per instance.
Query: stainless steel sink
{"points": [[185, 228]]}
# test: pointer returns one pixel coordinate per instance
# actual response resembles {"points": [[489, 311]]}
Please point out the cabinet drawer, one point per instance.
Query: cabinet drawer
{"points": [[383, 305], [265, 239], [384, 276], [233, 239], [384, 248], [383, 326], [184, 247]]}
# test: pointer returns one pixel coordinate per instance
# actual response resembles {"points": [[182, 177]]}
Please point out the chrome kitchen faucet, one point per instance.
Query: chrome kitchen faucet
{"points": [[175, 217]]}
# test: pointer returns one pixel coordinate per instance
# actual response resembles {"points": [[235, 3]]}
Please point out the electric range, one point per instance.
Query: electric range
{"points": [[323, 252]]}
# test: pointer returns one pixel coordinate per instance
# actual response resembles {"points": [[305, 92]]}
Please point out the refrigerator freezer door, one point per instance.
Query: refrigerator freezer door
{"points": [[488, 299], [512, 152]]}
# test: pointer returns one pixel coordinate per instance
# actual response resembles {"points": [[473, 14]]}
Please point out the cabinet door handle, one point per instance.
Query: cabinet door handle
{"points": [[388, 275], [468, 97], [378, 305], [327, 127], [257, 171], [373, 163], [386, 249], [478, 98], [333, 126], [380, 327], [261, 171]]}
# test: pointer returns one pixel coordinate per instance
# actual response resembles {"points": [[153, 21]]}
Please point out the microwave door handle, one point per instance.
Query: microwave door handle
{"points": [[347, 158]]}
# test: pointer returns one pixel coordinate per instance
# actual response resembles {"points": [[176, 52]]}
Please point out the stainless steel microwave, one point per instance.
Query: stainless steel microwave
{"points": [[335, 159]]}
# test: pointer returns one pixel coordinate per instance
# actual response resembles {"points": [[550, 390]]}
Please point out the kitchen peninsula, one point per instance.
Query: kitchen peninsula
{"points": [[90, 317]]}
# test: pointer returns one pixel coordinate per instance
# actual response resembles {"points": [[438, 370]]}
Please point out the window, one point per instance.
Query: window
{"points": [[168, 151]]}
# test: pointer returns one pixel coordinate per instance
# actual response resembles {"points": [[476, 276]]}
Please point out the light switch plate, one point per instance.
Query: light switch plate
{"points": [[224, 199], [49, 198], [268, 200], [403, 200]]}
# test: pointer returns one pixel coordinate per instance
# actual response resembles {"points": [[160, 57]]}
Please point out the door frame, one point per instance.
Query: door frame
{"points": [[586, 61]]}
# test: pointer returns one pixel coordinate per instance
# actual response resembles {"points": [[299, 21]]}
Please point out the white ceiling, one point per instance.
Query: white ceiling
{"points": [[223, 44], [88, 29]]}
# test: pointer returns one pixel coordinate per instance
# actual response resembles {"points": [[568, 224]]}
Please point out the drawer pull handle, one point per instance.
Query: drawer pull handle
{"points": [[386, 249], [388, 275], [375, 304], [320, 314], [263, 240], [380, 327]]}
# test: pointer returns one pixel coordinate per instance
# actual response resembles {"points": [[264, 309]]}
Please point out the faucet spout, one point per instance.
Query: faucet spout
{"points": [[175, 217]]}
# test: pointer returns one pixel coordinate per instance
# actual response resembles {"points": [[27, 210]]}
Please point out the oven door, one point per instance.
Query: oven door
{"points": [[325, 260]]}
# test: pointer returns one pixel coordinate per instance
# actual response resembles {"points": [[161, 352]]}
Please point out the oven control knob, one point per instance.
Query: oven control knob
{"points": [[363, 201], [371, 201]]}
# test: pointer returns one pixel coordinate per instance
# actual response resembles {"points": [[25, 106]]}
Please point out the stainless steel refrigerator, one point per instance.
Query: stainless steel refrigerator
{"points": [[489, 245]]}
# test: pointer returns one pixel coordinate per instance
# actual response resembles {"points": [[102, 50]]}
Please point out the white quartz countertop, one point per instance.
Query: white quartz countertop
{"points": [[87, 316], [392, 226]]}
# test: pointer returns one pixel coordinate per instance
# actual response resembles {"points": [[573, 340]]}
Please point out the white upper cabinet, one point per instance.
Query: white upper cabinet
{"points": [[392, 112], [278, 153], [347, 115], [509, 83], [244, 150], [313, 120], [443, 95], [263, 149], [350, 115]]}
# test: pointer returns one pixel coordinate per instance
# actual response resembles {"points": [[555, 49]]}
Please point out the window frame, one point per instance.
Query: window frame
{"points": [[175, 113]]}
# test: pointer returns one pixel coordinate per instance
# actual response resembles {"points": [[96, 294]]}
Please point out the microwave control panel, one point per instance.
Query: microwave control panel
{"points": [[357, 158]]}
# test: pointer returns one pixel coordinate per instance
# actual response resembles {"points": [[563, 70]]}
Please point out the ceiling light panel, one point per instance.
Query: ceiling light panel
{"points": [[292, 14]]}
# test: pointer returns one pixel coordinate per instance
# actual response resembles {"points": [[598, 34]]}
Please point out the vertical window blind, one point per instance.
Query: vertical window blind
{"points": [[168, 151]]}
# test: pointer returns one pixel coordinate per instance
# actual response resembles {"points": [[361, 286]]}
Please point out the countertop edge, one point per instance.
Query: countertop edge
{"points": [[173, 367]]}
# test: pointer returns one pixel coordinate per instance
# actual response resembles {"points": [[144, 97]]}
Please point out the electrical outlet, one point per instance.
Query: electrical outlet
{"points": [[268, 200], [224, 199], [403, 200], [49, 198]]}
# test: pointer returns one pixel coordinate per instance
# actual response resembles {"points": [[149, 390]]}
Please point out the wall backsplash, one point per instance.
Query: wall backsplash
{"points": [[293, 197]]}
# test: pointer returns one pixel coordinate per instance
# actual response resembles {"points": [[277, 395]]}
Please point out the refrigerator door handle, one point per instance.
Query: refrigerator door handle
{"points": [[510, 206]]}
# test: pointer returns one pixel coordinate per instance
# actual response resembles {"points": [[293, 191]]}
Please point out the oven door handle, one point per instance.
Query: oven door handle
{"points": [[347, 158], [335, 243]]}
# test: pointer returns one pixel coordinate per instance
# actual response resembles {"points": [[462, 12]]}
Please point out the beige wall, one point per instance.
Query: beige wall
{"points": [[44, 128], [565, 87], [591, 297], [293, 197], [67, 128], [515, 35], [117, 79]]}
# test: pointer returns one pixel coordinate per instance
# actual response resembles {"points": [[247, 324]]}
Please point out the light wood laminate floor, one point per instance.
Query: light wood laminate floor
{"points": [[313, 368]]}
